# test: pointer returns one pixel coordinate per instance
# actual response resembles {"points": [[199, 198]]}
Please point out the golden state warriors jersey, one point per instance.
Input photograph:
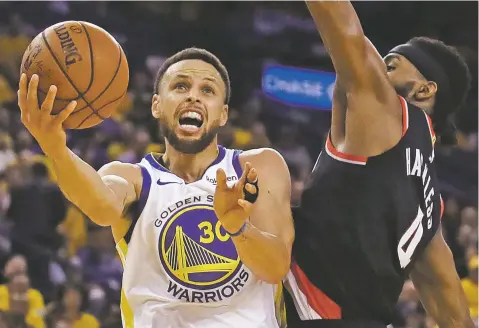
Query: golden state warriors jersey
{"points": [[181, 268]]}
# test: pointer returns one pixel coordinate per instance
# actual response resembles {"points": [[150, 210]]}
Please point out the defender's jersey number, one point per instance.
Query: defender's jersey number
{"points": [[413, 235]]}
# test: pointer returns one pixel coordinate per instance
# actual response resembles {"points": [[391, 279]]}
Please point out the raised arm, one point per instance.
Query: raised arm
{"points": [[373, 108], [439, 287], [102, 195]]}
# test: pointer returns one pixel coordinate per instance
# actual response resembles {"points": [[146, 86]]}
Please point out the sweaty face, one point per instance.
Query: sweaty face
{"points": [[190, 105]]}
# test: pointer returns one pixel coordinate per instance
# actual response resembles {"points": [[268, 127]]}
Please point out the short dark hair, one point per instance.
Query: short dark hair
{"points": [[199, 54], [457, 71], [39, 170]]}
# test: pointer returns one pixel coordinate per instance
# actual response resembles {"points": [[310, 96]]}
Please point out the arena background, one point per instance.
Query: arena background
{"points": [[263, 44]]}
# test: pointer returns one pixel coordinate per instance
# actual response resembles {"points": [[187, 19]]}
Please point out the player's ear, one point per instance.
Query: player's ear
{"points": [[426, 91], [155, 106], [224, 115]]}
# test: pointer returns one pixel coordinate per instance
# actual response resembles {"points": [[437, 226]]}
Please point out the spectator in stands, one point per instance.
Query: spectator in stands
{"points": [[101, 267], [7, 155], [468, 230], [470, 287], [68, 309], [37, 208], [22, 305], [297, 183], [15, 266], [292, 151], [137, 147]]}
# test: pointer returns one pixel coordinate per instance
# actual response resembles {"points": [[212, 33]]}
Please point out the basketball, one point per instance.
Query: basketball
{"points": [[85, 63]]}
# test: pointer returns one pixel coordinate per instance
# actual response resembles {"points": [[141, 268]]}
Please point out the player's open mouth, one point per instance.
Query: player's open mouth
{"points": [[191, 121]]}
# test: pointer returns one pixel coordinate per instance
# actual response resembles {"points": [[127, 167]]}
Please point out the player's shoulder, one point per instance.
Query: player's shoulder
{"points": [[266, 155], [115, 171], [265, 159], [117, 167]]}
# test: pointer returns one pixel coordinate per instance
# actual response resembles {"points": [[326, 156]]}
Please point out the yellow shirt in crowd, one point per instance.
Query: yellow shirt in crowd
{"points": [[86, 321], [470, 289], [36, 307]]}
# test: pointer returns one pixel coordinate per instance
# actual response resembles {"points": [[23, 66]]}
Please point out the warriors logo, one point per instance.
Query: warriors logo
{"points": [[199, 256]]}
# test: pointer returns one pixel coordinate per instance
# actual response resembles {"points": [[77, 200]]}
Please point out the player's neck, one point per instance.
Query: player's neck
{"points": [[190, 167]]}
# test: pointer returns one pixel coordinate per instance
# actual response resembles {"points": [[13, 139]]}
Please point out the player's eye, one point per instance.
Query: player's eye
{"points": [[208, 90], [180, 86], [390, 68]]}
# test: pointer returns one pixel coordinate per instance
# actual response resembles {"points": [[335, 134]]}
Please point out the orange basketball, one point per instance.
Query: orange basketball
{"points": [[85, 63]]}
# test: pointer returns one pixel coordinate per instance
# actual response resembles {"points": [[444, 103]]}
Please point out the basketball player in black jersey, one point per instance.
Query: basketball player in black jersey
{"points": [[370, 214]]}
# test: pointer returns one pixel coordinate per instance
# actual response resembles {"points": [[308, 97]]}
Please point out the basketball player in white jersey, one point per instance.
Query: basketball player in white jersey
{"points": [[201, 254]]}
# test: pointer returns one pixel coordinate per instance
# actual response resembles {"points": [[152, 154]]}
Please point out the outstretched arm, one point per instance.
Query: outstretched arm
{"points": [[102, 195], [373, 108], [440, 290]]}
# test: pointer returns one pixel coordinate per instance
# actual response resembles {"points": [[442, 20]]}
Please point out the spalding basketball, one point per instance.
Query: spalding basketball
{"points": [[85, 63]]}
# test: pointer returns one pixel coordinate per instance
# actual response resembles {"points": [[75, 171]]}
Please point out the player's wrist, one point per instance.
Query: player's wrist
{"points": [[55, 152], [238, 232]]}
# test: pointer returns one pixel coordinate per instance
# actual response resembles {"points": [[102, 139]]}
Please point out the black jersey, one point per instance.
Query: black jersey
{"points": [[361, 223]]}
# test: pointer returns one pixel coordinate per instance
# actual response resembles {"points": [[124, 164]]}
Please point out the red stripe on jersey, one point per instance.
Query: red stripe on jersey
{"points": [[405, 115], [431, 129], [341, 155], [442, 206], [317, 300]]}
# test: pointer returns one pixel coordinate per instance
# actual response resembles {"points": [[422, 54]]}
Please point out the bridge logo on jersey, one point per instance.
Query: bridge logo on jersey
{"points": [[199, 256]]}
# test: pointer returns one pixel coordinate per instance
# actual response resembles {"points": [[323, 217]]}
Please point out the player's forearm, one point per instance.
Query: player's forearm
{"points": [[447, 305], [264, 254], [342, 35], [83, 186]]}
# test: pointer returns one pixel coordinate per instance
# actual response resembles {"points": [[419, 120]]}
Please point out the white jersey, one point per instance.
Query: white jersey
{"points": [[181, 269]]}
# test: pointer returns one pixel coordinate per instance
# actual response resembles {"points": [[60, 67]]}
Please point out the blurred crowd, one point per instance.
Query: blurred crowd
{"points": [[61, 270]]}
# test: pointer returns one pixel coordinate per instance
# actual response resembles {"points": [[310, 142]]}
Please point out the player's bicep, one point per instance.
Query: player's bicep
{"points": [[124, 181], [435, 278]]}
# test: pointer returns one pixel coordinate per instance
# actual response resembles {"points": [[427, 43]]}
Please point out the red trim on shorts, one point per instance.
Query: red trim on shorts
{"points": [[405, 115], [317, 300], [339, 155]]}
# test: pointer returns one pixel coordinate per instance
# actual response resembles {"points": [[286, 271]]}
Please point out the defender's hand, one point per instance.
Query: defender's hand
{"points": [[230, 206], [45, 128]]}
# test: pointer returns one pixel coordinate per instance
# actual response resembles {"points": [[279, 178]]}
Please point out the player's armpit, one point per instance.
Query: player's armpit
{"points": [[435, 278], [265, 247]]}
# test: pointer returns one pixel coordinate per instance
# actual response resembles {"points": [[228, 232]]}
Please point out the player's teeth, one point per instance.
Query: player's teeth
{"points": [[189, 126], [192, 115]]}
